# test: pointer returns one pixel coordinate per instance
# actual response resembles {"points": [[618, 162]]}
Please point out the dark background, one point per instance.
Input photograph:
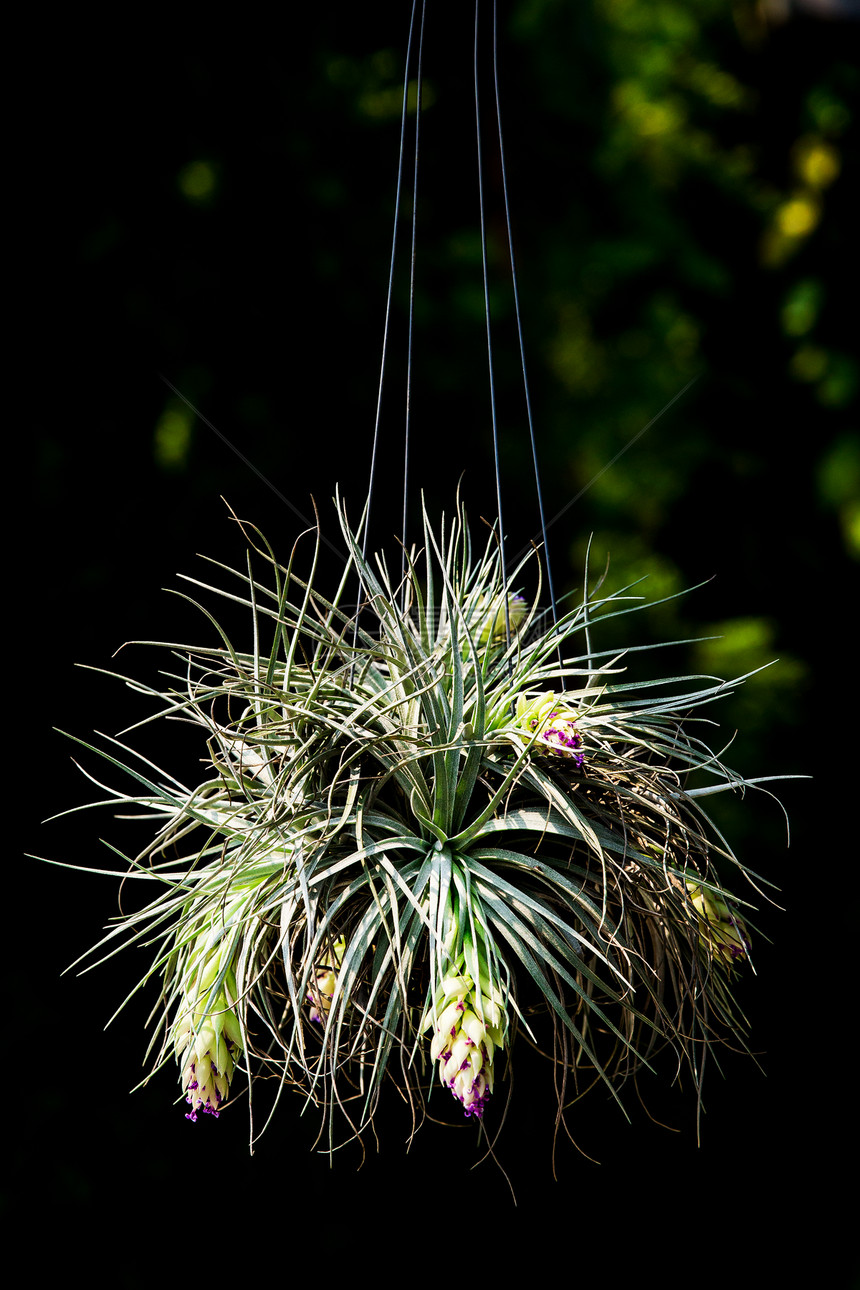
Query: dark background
{"points": [[214, 206]]}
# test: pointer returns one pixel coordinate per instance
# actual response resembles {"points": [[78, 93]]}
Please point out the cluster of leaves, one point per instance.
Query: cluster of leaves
{"points": [[441, 809]]}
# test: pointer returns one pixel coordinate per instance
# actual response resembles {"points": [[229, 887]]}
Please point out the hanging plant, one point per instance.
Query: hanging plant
{"points": [[427, 834], [435, 828]]}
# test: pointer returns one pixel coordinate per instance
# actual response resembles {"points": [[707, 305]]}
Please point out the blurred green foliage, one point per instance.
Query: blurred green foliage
{"points": [[683, 184]]}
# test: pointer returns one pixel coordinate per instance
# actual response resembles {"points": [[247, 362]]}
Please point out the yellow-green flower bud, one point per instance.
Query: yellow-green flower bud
{"points": [[553, 723], [206, 1034], [320, 994], [467, 1030], [494, 628], [721, 930]]}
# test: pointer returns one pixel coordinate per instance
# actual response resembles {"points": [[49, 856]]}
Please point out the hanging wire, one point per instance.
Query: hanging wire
{"points": [[517, 313], [410, 330], [406, 435], [492, 381], [387, 326]]}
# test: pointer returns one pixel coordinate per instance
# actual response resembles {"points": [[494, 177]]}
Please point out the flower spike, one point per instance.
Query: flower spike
{"points": [[469, 1027], [721, 930], [320, 994], [494, 629], [206, 1034], [553, 723]]}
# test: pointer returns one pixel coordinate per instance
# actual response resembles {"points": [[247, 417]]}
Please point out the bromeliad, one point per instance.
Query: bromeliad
{"points": [[382, 847]]}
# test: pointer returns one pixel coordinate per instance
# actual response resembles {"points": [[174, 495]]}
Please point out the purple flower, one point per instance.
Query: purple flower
{"points": [[552, 725]]}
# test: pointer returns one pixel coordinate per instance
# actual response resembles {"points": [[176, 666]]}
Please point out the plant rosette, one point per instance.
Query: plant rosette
{"points": [[448, 800]]}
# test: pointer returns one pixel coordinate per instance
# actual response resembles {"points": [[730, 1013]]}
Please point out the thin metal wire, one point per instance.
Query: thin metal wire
{"points": [[386, 329], [406, 434], [501, 535], [485, 272], [518, 315], [620, 453]]}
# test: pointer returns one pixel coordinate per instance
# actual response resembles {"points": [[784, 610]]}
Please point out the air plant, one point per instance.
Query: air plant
{"points": [[426, 832]]}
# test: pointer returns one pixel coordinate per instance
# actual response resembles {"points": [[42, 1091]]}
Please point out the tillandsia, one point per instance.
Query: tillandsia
{"points": [[424, 830]]}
